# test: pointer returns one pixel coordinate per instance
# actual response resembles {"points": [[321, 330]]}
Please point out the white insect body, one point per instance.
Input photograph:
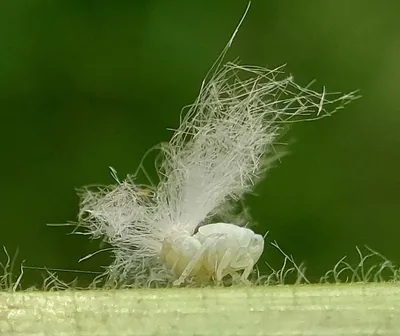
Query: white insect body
{"points": [[215, 251], [229, 249]]}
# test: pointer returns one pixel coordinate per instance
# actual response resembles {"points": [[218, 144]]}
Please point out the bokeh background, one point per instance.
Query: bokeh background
{"points": [[85, 85]]}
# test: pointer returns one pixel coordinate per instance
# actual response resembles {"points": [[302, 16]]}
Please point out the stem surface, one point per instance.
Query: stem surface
{"points": [[346, 309]]}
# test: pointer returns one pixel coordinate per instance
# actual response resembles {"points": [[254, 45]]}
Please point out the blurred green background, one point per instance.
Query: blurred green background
{"points": [[89, 84]]}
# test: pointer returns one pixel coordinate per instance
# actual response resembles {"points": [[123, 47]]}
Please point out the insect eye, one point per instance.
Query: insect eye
{"points": [[256, 245]]}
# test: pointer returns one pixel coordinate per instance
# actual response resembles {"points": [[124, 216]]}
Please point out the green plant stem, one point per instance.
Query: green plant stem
{"points": [[347, 309]]}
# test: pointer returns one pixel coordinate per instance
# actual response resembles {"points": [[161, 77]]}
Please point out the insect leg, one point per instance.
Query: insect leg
{"points": [[247, 270], [243, 262], [196, 259], [223, 265]]}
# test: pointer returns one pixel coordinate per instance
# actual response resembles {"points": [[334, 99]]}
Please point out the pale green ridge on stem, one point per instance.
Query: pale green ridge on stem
{"points": [[346, 309]]}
